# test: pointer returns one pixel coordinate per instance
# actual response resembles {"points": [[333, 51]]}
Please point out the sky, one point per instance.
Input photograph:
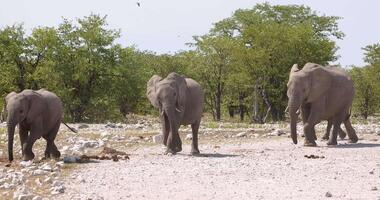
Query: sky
{"points": [[165, 26]]}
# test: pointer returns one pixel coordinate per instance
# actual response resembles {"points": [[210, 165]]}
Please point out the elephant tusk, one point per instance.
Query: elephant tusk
{"points": [[178, 110], [298, 112], [286, 109]]}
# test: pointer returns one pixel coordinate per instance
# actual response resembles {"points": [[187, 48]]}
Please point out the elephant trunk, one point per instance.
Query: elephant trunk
{"points": [[293, 108], [11, 131]]}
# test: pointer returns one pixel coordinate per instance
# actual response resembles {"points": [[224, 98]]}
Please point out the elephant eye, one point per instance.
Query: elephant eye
{"points": [[21, 111]]}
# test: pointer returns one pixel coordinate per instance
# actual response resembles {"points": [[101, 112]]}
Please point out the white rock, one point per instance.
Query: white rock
{"points": [[26, 163], [189, 136], [241, 134], [37, 198], [105, 134], [158, 139], [119, 125], [38, 182], [22, 193], [59, 164], [58, 189], [46, 167], [7, 186], [48, 180], [17, 178], [39, 172]]}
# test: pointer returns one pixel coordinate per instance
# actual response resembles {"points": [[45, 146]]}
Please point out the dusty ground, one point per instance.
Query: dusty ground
{"points": [[269, 169], [238, 161]]}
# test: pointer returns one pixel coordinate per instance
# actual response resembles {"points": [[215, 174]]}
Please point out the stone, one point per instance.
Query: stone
{"points": [[328, 194], [58, 189], [241, 134], [189, 136], [37, 198], [39, 172], [26, 163], [158, 139], [374, 188], [83, 126], [110, 125], [46, 167], [105, 134]]}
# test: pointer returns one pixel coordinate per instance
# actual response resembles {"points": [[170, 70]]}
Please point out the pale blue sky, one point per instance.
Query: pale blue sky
{"points": [[166, 25]]}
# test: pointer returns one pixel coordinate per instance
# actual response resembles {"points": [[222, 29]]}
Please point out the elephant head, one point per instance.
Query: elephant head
{"points": [[22, 107], [167, 95], [305, 86]]}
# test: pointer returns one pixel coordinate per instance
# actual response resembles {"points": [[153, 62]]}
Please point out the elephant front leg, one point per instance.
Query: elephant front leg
{"points": [[309, 137], [174, 143], [165, 129], [194, 143], [23, 133], [27, 148]]}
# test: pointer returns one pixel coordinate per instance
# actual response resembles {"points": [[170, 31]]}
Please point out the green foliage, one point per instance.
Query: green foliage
{"points": [[250, 54]]}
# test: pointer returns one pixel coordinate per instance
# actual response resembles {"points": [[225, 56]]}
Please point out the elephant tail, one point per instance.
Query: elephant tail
{"points": [[71, 129]]}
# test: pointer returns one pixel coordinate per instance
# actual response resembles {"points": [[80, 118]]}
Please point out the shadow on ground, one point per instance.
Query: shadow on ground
{"points": [[358, 145]]}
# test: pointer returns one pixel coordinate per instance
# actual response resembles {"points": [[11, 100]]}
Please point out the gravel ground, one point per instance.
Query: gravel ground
{"points": [[249, 169]]}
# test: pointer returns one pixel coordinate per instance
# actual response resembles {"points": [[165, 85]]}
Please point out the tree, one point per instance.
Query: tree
{"points": [[271, 39]]}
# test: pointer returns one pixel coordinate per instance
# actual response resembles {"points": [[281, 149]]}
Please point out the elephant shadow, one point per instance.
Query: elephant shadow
{"points": [[215, 155], [358, 145]]}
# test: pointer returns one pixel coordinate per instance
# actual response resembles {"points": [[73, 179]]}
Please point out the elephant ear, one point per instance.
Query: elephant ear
{"points": [[36, 105], [151, 88], [9, 96], [320, 82], [181, 88]]}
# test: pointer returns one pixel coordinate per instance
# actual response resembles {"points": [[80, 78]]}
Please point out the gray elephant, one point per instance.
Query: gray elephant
{"points": [[38, 114], [322, 93], [180, 102]]}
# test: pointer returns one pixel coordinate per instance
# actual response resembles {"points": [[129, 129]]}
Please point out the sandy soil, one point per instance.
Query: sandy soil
{"points": [[248, 169]]}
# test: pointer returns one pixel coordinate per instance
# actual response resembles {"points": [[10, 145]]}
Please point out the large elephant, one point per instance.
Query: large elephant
{"points": [[38, 112], [180, 102], [322, 93]]}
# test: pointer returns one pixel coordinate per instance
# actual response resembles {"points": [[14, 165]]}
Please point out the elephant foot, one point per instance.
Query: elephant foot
{"points": [[168, 151], [56, 155], [332, 142], [309, 144], [27, 157], [194, 152], [353, 140], [342, 135], [177, 149]]}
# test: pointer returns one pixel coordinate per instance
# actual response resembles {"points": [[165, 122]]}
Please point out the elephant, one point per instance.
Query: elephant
{"points": [[322, 93], [180, 101], [38, 114]]}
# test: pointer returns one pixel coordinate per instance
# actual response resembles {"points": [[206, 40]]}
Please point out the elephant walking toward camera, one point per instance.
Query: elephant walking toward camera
{"points": [[322, 93], [180, 102], [38, 114]]}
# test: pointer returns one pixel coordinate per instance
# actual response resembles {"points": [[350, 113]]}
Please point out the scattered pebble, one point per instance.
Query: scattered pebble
{"points": [[328, 194], [189, 136]]}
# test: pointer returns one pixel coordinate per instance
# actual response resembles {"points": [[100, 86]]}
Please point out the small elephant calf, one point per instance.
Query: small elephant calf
{"points": [[38, 114]]}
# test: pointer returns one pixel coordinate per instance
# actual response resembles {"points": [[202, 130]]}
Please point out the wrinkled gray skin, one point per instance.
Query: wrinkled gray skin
{"points": [[180, 102], [322, 93], [38, 114]]}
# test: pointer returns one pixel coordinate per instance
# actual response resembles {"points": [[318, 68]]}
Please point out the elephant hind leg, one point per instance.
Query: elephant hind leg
{"points": [[51, 148], [353, 138], [194, 142], [341, 133]]}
